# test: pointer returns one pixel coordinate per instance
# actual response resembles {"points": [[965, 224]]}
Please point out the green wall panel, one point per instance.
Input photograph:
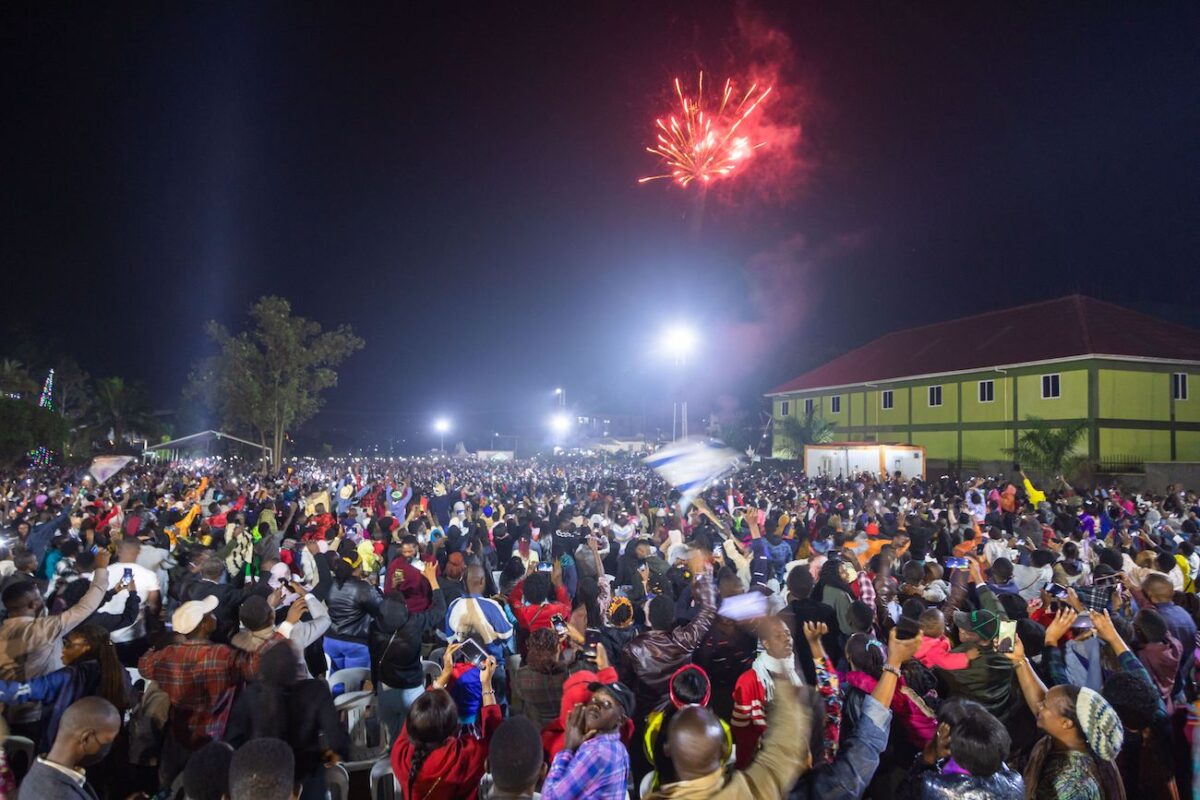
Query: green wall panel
{"points": [[1135, 395]]}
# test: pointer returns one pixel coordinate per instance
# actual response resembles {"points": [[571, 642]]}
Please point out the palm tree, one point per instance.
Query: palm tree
{"points": [[812, 430], [15, 381], [1049, 449], [119, 410]]}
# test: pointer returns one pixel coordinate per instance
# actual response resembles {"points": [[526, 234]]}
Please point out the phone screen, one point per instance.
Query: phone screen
{"points": [[471, 653], [1008, 634], [957, 562], [560, 625]]}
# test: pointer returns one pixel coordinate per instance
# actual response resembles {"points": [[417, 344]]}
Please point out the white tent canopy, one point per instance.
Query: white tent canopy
{"points": [[175, 444]]}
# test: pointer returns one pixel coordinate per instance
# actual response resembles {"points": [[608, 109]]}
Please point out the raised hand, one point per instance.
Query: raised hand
{"points": [[1059, 626]]}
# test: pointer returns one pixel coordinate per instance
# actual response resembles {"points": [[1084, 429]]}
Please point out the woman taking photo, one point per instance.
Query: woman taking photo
{"points": [[435, 758], [1075, 759]]}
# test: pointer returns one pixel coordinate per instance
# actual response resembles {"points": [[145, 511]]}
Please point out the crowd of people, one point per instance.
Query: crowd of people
{"points": [[563, 628]]}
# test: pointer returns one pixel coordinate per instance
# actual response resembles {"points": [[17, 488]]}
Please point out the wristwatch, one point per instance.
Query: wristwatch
{"points": [[894, 670]]}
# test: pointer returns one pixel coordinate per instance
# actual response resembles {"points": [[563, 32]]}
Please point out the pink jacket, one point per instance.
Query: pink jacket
{"points": [[936, 653]]}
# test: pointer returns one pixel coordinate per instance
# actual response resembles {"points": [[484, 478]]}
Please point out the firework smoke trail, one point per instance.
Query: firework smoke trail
{"points": [[704, 145]]}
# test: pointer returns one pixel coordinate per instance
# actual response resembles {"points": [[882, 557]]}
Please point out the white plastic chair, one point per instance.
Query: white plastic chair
{"points": [[383, 781], [337, 782], [19, 751], [431, 669], [351, 679]]}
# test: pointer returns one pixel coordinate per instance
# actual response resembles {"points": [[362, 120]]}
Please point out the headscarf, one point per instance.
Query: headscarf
{"points": [[467, 690], [416, 591]]}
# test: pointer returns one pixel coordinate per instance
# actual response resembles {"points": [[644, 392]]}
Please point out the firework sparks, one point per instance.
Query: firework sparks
{"points": [[702, 144]]}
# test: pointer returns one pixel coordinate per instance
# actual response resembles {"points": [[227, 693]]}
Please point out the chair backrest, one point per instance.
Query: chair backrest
{"points": [[383, 781], [337, 780], [359, 713], [437, 654], [351, 679], [431, 670], [647, 784], [19, 752]]}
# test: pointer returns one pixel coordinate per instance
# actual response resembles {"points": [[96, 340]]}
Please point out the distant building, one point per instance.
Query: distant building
{"points": [[963, 389]]}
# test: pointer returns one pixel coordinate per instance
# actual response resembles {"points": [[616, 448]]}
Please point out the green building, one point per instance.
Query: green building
{"points": [[963, 389]]}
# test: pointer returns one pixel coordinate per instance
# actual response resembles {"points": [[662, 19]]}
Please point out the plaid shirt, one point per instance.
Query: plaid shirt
{"points": [[599, 770], [537, 695], [202, 679], [866, 589]]}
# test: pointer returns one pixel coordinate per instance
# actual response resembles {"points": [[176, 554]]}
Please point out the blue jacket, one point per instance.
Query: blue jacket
{"points": [[857, 759]]}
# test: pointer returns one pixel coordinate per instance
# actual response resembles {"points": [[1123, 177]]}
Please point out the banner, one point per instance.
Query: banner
{"points": [[692, 465], [104, 467]]}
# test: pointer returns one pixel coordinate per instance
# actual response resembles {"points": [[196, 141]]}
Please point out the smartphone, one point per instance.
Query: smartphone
{"points": [[559, 624], [424, 503], [1056, 590], [1008, 634], [957, 562], [545, 566], [128, 574], [470, 653]]}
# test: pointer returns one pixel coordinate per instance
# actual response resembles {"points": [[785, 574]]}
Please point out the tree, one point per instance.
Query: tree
{"points": [[269, 380], [121, 408], [72, 401], [24, 426], [796, 433], [15, 380], [1049, 449]]}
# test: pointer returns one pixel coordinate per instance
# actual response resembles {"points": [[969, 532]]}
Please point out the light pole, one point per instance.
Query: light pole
{"points": [[441, 425], [561, 394], [678, 342]]}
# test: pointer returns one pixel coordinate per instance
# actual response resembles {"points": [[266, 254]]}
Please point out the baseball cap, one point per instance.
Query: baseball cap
{"points": [[620, 692], [189, 615], [981, 621]]}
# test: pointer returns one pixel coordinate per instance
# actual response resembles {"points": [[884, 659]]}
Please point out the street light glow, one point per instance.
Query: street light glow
{"points": [[441, 425], [560, 423], [679, 341], [558, 390]]}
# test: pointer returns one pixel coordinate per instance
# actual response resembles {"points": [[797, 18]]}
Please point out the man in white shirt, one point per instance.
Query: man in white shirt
{"points": [[132, 641]]}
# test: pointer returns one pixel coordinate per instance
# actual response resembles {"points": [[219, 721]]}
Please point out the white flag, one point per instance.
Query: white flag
{"points": [[104, 467], [692, 465]]}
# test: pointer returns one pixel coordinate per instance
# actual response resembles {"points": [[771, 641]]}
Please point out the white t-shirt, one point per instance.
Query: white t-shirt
{"points": [[146, 581]]}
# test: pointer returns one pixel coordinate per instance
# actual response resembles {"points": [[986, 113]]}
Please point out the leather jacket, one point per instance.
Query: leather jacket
{"points": [[352, 606], [651, 658], [1003, 785], [396, 642]]}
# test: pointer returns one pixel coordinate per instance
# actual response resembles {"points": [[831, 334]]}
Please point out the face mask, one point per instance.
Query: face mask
{"points": [[92, 759]]}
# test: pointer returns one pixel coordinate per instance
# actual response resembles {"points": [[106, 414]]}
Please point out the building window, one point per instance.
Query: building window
{"points": [[987, 391], [1179, 386], [1050, 387], [835, 404], [784, 408], [935, 396], [886, 399], [808, 406]]}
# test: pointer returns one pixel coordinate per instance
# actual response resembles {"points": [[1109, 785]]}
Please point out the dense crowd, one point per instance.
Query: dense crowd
{"points": [[563, 629]]}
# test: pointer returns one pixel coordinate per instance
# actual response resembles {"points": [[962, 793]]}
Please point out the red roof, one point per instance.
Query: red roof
{"points": [[1054, 329]]}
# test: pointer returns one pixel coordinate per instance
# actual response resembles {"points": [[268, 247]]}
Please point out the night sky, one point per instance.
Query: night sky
{"points": [[459, 184]]}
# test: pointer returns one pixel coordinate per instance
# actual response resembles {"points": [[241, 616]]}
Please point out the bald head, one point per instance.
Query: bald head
{"points": [[1158, 589], [89, 713], [475, 579], [695, 742]]}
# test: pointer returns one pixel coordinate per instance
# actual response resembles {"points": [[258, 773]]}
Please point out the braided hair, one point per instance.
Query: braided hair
{"points": [[432, 719]]}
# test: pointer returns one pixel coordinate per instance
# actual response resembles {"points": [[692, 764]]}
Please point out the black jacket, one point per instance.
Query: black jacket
{"points": [[352, 606], [396, 642]]}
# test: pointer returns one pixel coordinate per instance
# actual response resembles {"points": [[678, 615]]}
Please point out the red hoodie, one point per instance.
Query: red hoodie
{"points": [[575, 692], [451, 772]]}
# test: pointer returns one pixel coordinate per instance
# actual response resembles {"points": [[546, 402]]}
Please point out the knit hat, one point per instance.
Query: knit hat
{"points": [[981, 622], [1100, 724]]}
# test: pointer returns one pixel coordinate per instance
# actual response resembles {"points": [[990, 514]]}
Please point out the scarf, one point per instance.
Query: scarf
{"points": [[765, 665]]}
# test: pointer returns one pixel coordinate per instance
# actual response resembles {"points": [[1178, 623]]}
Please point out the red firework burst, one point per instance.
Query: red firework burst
{"points": [[706, 145]]}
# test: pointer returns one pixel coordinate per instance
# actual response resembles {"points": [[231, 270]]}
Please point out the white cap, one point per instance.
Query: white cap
{"points": [[189, 615]]}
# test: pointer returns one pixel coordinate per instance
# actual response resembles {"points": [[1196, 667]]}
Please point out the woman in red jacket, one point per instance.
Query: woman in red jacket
{"points": [[434, 757]]}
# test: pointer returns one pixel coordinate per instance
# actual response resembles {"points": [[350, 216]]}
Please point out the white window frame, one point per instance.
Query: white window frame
{"points": [[929, 396], [784, 407], [1179, 380], [1052, 378], [810, 406], [835, 404], [887, 400], [991, 384]]}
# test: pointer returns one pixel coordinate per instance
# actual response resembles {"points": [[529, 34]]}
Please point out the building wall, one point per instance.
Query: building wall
{"points": [[1126, 394], [1129, 408]]}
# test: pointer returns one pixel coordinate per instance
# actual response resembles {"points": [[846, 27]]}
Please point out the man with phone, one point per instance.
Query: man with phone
{"points": [[128, 575]]}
